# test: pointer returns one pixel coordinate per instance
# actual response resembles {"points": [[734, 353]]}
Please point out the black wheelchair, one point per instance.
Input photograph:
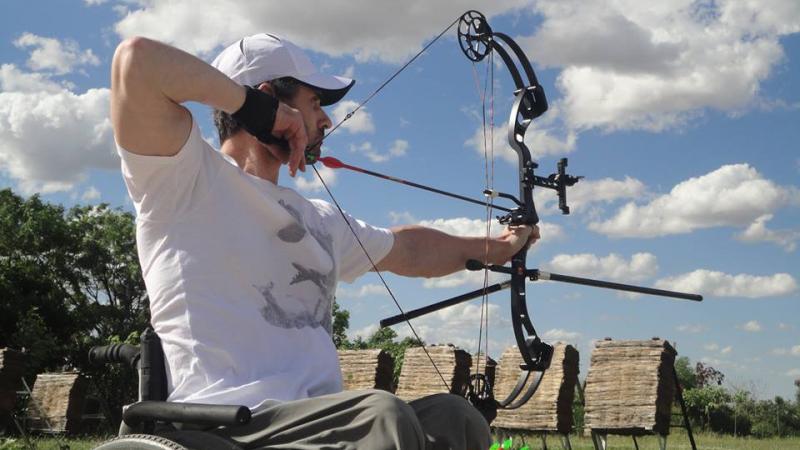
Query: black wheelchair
{"points": [[152, 423]]}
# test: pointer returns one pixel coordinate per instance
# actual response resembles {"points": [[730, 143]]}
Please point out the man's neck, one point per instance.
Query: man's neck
{"points": [[251, 157]]}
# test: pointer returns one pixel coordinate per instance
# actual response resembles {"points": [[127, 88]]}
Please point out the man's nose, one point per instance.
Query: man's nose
{"points": [[325, 121]]}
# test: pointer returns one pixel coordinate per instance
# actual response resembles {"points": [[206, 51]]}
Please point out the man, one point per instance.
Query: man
{"points": [[241, 272]]}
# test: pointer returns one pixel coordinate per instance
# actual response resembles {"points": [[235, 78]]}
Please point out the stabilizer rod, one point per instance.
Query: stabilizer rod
{"points": [[394, 320], [536, 274]]}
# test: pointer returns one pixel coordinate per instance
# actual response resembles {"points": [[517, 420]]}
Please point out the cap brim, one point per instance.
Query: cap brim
{"points": [[331, 88]]}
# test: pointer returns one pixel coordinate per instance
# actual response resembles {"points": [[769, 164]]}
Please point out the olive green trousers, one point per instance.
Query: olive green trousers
{"points": [[365, 420]]}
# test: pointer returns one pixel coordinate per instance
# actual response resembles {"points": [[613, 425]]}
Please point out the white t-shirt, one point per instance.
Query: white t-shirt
{"points": [[241, 275]]}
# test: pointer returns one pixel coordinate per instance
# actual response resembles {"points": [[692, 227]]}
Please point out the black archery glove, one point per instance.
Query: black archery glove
{"points": [[257, 116]]}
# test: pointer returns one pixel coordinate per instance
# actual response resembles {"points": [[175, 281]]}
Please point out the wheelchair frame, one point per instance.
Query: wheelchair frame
{"points": [[140, 428]]}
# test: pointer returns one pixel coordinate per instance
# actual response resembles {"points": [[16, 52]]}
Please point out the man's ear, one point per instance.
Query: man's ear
{"points": [[266, 87]]}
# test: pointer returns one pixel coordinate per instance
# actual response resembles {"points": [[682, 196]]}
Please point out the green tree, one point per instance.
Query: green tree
{"points": [[743, 404], [386, 339], [701, 402], [69, 280], [110, 276], [776, 417], [39, 287], [341, 322], [686, 375]]}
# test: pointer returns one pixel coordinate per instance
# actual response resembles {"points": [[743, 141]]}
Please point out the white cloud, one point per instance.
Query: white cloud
{"points": [[401, 217], [398, 148], [726, 350], [90, 194], [586, 193], [546, 135], [794, 351], [620, 65], [378, 30], [733, 195], [758, 232], [712, 347], [359, 122], [558, 334], [550, 232], [50, 136], [613, 267], [692, 328], [644, 66], [364, 332], [719, 284], [793, 373], [14, 80], [361, 292], [309, 182], [52, 55], [457, 325], [752, 326]]}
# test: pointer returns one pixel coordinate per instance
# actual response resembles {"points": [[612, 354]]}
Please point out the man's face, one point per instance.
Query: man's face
{"points": [[316, 120]]}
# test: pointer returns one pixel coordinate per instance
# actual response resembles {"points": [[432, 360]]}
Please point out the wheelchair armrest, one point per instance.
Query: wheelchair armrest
{"points": [[115, 353], [187, 413]]}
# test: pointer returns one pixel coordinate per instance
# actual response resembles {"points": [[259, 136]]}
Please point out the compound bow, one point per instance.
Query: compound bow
{"points": [[477, 40]]}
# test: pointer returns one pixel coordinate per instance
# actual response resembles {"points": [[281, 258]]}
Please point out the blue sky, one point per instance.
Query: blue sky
{"points": [[683, 117]]}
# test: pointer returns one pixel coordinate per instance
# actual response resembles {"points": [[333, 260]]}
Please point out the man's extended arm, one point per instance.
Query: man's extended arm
{"points": [[425, 252], [150, 80]]}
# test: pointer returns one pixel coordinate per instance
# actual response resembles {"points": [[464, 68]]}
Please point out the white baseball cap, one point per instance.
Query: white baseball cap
{"points": [[264, 57]]}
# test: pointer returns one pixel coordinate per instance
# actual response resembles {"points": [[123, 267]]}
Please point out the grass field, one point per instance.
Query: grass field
{"points": [[676, 441]]}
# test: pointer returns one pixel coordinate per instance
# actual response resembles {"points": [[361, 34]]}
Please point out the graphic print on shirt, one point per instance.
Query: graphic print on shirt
{"points": [[294, 232], [320, 314], [275, 315]]}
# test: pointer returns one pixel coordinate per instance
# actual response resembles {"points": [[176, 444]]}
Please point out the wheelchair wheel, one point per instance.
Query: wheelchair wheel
{"points": [[170, 440], [140, 442]]}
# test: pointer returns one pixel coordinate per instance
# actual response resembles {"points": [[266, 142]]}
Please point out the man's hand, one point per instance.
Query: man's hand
{"points": [[276, 125], [290, 127], [516, 237]]}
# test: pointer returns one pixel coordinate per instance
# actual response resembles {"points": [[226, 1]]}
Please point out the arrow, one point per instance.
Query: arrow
{"points": [[333, 163]]}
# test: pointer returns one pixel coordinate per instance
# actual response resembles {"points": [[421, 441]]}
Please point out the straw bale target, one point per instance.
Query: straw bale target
{"points": [[56, 402], [550, 408], [418, 377], [366, 369], [630, 387]]}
